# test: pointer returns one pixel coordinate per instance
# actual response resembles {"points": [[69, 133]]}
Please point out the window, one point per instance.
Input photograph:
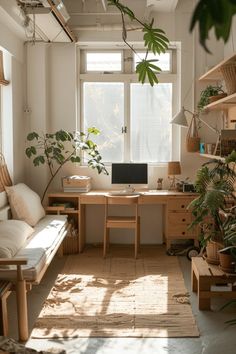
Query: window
{"points": [[0, 118], [103, 61], [134, 119]]}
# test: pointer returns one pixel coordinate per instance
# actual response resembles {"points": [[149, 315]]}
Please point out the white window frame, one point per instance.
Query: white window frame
{"points": [[127, 79]]}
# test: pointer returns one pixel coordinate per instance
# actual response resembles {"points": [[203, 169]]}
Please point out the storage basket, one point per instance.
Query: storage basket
{"points": [[71, 241], [192, 139], [229, 75]]}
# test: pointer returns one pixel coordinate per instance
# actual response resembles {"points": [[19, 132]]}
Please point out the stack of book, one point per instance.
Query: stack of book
{"points": [[76, 184]]}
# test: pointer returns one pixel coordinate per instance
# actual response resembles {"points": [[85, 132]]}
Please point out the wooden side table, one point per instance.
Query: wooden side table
{"points": [[203, 276]]}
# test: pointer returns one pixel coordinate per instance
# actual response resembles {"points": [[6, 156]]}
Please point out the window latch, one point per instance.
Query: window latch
{"points": [[124, 130]]}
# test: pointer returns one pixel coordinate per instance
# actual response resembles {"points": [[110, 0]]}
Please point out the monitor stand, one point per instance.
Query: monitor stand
{"points": [[128, 189]]}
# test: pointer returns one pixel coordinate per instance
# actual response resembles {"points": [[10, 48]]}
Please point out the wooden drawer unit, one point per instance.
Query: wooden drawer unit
{"points": [[178, 218]]}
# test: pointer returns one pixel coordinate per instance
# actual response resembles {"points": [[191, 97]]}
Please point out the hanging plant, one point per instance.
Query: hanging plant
{"points": [[155, 41]]}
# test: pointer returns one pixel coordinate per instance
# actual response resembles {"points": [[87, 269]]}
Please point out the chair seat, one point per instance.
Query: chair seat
{"points": [[128, 222]]}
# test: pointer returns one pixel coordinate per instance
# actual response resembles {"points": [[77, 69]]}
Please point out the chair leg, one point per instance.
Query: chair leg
{"points": [[136, 243], [106, 242]]}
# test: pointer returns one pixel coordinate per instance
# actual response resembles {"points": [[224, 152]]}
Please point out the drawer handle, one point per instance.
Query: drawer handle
{"points": [[183, 219], [183, 233], [182, 206]]}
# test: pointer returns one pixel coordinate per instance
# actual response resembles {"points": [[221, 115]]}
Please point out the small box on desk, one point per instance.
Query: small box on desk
{"points": [[76, 183]]}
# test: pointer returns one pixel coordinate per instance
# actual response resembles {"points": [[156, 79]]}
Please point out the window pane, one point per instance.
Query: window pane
{"points": [[103, 61], [163, 59], [104, 109], [151, 113]]}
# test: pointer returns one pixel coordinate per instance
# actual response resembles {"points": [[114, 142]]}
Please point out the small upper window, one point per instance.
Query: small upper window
{"points": [[105, 61], [164, 59]]}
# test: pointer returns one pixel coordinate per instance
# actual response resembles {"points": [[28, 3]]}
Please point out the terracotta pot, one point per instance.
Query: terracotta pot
{"points": [[227, 262]]}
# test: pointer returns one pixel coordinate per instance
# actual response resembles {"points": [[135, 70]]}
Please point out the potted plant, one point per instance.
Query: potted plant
{"points": [[56, 149], [210, 94], [215, 187], [227, 254]]}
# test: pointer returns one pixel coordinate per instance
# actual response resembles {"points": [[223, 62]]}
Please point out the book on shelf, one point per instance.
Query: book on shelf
{"points": [[66, 205]]}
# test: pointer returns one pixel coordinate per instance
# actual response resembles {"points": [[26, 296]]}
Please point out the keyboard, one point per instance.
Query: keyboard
{"points": [[121, 193]]}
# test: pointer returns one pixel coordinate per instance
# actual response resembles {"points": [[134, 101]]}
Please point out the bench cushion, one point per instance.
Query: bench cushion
{"points": [[13, 235], [25, 204], [47, 235]]}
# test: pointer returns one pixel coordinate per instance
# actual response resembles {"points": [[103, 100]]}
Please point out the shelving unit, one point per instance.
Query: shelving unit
{"points": [[214, 73], [223, 104], [208, 156], [67, 204]]}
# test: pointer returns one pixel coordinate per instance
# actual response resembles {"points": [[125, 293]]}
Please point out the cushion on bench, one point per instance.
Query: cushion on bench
{"points": [[48, 234]]}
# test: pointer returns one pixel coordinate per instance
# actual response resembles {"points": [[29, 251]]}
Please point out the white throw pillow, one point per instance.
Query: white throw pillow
{"points": [[25, 204], [13, 234]]}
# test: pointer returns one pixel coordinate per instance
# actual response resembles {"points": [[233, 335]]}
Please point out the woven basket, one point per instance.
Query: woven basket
{"points": [[229, 75], [192, 139]]}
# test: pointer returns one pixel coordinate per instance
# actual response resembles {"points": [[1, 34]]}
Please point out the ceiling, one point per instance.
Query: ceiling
{"points": [[88, 12], [90, 15]]}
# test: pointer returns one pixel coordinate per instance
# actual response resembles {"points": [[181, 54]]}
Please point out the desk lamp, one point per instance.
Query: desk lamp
{"points": [[181, 120], [174, 169]]}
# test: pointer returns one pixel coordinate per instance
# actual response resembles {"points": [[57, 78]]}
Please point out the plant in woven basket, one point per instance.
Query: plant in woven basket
{"points": [[56, 149], [215, 187], [206, 94]]}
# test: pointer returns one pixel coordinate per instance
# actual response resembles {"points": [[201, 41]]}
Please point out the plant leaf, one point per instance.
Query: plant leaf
{"points": [[155, 41], [144, 69]]}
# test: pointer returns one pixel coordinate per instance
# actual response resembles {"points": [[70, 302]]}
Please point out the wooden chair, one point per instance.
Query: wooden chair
{"points": [[122, 222]]}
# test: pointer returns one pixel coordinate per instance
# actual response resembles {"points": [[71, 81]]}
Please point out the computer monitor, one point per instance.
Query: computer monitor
{"points": [[129, 173]]}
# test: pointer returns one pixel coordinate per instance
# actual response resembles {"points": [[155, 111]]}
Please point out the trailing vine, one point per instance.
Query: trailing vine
{"points": [[155, 41]]}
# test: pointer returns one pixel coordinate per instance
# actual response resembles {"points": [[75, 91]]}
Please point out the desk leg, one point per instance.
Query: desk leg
{"points": [[204, 303], [82, 227], [164, 221]]}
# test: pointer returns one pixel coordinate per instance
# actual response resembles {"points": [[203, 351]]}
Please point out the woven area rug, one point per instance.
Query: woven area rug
{"points": [[118, 297]]}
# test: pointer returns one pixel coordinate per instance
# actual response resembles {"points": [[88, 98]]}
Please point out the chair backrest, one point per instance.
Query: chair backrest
{"points": [[131, 200]]}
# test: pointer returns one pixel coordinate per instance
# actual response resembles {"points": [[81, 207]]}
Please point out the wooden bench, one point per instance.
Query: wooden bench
{"points": [[204, 276], [5, 290]]}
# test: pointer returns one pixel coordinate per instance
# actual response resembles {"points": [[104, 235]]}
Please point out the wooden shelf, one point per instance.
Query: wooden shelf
{"points": [[223, 103], [211, 157], [215, 73]]}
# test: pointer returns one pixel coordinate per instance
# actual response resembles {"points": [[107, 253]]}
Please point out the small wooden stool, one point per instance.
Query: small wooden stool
{"points": [[5, 290], [204, 275]]}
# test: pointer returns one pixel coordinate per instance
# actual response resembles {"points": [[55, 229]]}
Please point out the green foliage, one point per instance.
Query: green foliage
{"points": [[216, 14], [154, 41], [55, 149], [146, 69], [206, 94], [215, 185]]}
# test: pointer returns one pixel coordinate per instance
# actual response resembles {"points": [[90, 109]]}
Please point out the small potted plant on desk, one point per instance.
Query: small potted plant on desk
{"points": [[215, 187]]}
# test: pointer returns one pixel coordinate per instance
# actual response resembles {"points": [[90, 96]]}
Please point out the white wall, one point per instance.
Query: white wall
{"points": [[13, 96], [52, 77]]}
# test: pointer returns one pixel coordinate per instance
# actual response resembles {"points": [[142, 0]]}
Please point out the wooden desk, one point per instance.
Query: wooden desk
{"points": [[176, 216]]}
